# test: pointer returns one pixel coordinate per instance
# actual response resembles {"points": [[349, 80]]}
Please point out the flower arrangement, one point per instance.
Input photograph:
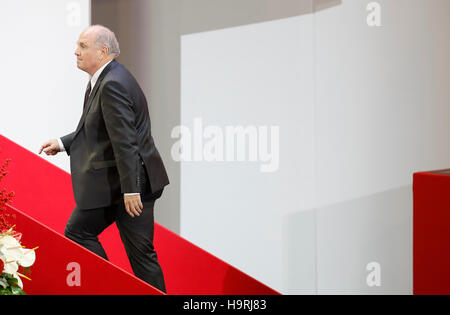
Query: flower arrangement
{"points": [[4, 199], [12, 254]]}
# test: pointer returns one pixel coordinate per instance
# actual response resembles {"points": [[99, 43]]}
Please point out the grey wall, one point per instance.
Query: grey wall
{"points": [[379, 112], [149, 32]]}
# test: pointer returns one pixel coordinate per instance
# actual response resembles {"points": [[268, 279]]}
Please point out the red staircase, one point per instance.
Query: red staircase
{"points": [[45, 199]]}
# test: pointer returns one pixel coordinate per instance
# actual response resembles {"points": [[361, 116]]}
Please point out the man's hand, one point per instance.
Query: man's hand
{"points": [[50, 147], [133, 205]]}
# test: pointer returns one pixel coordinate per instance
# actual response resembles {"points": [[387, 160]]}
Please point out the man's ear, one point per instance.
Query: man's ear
{"points": [[103, 53]]}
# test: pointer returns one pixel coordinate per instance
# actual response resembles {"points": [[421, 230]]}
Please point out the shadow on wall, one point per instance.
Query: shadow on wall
{"points": [[328, 250], [149, 32], [197, 16], [207, 15], [320, 5]]}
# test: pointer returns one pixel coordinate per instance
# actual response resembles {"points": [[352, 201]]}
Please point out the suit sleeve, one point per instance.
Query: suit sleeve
{"points": [[119, 117], [67, 141]]}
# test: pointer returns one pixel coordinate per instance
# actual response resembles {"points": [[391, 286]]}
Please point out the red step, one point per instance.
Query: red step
{"points": [[54, 272], [44, 192]]}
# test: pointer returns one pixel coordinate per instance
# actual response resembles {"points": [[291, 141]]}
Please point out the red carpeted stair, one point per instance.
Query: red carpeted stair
{"points": [[45, 199]]}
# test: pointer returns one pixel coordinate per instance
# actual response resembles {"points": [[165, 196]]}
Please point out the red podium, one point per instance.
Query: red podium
{"points": [[432, 232]]}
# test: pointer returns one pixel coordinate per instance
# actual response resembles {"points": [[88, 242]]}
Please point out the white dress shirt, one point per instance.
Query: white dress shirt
{"points": [[94, 80]]}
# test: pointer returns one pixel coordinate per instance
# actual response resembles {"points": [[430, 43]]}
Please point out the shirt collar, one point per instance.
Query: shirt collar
{"points": [[96, 75]]}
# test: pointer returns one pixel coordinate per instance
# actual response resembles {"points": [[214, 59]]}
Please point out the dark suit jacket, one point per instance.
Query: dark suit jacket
{"points": [[112, 148]]}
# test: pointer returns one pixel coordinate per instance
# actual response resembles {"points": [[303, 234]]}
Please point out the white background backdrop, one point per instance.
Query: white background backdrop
{"points": [[360, 109], [42, 88]]}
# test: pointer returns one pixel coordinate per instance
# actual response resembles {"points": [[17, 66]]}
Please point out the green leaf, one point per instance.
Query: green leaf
{"points": [[11, 280], [13, 288], [17, 291], [5, 291]]}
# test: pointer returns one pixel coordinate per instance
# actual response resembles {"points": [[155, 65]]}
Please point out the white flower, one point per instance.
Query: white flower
{"points": [[13, 256], [3, 283], [11, 268], [9, 241], [13, 251]]}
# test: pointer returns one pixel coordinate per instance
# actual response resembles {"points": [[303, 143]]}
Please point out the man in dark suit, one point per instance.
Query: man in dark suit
{"points": [[117, 172]]}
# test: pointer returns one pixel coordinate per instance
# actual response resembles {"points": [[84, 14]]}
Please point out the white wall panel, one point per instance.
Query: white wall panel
{"points": [[256, 75], [360, 109], [42, 88]]}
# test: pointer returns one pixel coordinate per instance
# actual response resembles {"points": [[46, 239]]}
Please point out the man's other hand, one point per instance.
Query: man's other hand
{"points": [[50, 147], [133, 205]]}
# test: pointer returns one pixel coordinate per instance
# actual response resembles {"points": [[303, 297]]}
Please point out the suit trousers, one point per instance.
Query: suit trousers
{"points": [[84, 227]]}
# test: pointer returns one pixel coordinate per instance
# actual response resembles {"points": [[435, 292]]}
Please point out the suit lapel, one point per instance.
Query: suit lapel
{"points": [[105, 71]]}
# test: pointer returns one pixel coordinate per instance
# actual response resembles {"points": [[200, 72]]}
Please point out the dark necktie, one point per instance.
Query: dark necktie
{"points": [[86, 96]]}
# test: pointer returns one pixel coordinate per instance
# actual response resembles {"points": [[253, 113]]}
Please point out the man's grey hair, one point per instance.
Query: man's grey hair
{"points": [[106, 37]]}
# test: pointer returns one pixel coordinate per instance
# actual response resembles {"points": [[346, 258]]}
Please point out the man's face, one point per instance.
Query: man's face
{"points": [[88, 54]]}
